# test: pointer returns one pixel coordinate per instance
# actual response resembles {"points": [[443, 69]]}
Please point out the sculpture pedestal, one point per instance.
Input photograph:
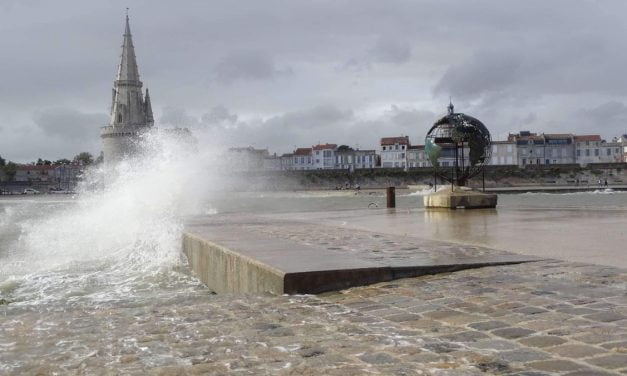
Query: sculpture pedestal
{"points": [[459, 197]]}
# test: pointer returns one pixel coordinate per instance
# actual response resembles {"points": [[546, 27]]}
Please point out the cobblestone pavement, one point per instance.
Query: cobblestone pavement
{"points": [[540, 318]]}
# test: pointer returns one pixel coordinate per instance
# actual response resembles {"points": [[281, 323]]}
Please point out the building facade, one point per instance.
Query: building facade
{"points": [[131, 111], [416, 157], [303, 159], [349, 159], [588, 149], [503, 153], [324, 156], [393, 151], [543, 149], [247, 158]]}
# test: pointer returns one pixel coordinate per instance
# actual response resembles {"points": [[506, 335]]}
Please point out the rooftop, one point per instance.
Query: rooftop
{"points": [[302, 151], [324, 146], [403, 140], [588, 137]]}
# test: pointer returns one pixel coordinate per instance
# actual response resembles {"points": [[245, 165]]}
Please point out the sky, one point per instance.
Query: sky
{"points": [[287, 74]]}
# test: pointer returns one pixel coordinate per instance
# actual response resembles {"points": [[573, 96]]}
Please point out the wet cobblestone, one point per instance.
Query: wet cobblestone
{"points": [[420, 326], [540, 318]]}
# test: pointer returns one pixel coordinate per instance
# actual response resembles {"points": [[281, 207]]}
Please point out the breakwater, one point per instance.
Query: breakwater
{"points": [[495, 176]]}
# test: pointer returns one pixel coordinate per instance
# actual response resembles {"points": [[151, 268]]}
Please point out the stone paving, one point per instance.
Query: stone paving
{"points": [[541, 318]]}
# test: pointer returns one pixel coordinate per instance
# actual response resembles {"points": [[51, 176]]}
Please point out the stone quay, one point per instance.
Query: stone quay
{"points": [[535, 317]]}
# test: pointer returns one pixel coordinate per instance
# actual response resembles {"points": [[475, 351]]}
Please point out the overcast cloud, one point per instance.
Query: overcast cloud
{"points": [[283, 74]]}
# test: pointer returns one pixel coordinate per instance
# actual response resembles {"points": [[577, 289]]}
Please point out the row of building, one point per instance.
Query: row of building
{"points": [[60, 176], [521, 149]]}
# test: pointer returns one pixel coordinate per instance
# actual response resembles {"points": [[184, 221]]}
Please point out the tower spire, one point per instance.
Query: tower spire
{"points": [[148, 109], [127, 70]]}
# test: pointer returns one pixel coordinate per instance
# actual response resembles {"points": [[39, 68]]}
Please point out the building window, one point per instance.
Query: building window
{"points": [[587, 152], [384, 148], [578, 153], [609, 151], [596, 152]]}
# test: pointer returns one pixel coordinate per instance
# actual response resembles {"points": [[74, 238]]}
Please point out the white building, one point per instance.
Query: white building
{"points": [[612, 152], [543, 149], [349, 159], [272, 163], [287, 161], [503, 153], [246, 158], [324, 156], [393, 151], [623, 141], [588, 149], [303, 159], [416, 156]]}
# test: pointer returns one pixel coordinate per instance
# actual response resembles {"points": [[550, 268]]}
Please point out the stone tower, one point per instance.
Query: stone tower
{"points": [[131, 112]]}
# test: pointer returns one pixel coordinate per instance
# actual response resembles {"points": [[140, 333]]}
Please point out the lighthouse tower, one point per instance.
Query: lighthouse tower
{"points": [[131, 112]]}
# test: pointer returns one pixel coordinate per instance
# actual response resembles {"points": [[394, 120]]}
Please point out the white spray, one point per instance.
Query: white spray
{"points": [[126, 233]]}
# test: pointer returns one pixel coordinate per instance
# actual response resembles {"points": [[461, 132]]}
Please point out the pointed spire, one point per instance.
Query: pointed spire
{"points": [[451, 108], [148, 109], [127, 70]]}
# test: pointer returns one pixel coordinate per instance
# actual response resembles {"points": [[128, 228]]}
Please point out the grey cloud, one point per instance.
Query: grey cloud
{"points": [[391, 50], [219, 114], [177, 117], [410, 118], [330, 124], [611, 116], [248, 65], [68, 123], [270, 60]]}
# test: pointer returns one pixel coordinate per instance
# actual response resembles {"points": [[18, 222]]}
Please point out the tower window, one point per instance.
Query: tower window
{"points": [[119, 118]]}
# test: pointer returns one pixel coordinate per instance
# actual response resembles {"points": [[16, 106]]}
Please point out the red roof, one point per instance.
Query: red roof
{"points": [[302, 151], [403, 140], [324, 146], [35, 167], [588, 137]]}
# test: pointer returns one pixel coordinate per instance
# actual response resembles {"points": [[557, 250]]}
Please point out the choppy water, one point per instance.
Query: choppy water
{"points": [[124, 244]]}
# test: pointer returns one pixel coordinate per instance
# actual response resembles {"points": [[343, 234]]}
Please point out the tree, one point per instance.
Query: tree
{"points": [[62, 161], [10, 169], [2, 161], [39, 162], [100, 158], [84, 158], [344, 148]]}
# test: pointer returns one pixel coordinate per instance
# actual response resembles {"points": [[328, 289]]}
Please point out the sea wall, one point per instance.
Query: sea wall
{"points": [[495, 176]]}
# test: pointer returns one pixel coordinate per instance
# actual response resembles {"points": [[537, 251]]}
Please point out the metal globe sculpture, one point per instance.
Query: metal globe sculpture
{"points": [[458, 146]]}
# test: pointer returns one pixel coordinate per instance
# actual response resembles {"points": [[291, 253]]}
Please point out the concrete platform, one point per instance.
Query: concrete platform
{"points": [[248, 254], [459, 197]]}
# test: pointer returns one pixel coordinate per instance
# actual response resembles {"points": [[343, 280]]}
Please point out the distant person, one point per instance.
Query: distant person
{"points": [[605, 183]]}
